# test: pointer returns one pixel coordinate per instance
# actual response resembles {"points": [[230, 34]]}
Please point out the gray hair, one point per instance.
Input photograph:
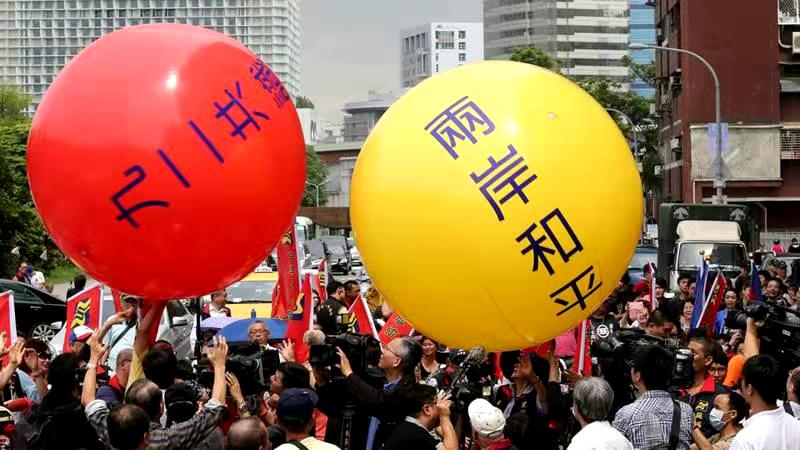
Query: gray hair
{"points": [[410, 354], [593, 398]]}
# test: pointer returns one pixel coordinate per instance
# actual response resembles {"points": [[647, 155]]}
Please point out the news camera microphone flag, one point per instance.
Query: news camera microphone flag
{"points": [[755, 283], [700, 293]]}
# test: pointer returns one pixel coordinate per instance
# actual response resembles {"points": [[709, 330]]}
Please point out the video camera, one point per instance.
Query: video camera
{"points": [[779, 337], [252, 364], [362, 351], [471, 381], [618, 350]]}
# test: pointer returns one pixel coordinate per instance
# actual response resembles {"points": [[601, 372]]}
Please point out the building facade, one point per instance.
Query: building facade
{"points": [[435, 47], [38, 37], [587, 37], [361, 116], [642, 30], [755, 51]]}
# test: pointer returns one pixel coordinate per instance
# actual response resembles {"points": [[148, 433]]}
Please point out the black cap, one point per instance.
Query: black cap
{"points": [[297, 404]]}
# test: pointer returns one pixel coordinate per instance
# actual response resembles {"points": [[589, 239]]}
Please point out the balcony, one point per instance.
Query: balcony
{"points": [[788, 12]]}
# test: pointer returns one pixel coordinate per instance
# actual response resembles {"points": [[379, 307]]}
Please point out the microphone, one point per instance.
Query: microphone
{"points": [[476, 355]]}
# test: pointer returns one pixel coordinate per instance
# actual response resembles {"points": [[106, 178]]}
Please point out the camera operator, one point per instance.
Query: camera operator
{"points": [[768, 427], [429, 411], [654, 419], [389, 406], [704, 389]]}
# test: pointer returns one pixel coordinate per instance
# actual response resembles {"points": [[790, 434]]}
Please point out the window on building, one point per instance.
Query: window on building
{"points": [[462, 34], [462, 45], [462, 57]]}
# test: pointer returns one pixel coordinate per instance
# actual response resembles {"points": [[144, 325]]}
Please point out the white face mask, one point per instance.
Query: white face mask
{"points": [[715, 419]]}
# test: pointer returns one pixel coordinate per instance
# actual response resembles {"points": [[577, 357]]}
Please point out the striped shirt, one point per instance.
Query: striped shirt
{"points": [[184, 435], [647, 422]]}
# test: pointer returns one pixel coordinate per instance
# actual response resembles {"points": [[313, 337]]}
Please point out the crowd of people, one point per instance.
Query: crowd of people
{"points": [[115, 389]]}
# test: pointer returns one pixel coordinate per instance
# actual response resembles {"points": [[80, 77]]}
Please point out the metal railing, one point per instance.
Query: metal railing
{"points": [[788, 12]]}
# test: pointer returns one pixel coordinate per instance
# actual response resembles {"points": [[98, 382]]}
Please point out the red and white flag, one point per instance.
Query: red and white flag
{"points": [[361, 319], [395, 327], [301, 319], [288, 274], [8, 318], [715, 299], [83, 308], [582, 362]]}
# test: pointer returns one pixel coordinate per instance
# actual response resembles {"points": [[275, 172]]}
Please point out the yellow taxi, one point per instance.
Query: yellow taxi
{"points": [[252, 292]]}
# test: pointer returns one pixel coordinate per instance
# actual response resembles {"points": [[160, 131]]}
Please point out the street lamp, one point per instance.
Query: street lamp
{"points": [[633, 128], [316, 188], [719, 182]]}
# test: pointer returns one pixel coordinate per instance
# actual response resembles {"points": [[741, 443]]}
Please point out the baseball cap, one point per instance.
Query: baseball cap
{"points": [[297, 403], [80, 333], [486, 420]]}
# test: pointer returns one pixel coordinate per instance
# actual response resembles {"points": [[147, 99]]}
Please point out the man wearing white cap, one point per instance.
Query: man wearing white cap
{"points": [[488, 424], [78, 338]]}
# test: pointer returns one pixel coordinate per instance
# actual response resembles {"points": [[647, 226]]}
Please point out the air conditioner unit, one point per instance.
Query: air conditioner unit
{"points": [[675, 144], [795, 42]]}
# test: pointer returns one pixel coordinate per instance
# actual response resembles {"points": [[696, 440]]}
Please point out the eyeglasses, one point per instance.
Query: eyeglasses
{"points": [[254, 332], [385, 346]]}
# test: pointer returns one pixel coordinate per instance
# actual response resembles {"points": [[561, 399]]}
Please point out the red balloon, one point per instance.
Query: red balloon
{"points": [[166, 160]]}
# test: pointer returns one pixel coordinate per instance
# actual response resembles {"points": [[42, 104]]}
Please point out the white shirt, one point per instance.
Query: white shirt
{"points": [[125, 342], [310, 443], [599, 436], [769, 430]]}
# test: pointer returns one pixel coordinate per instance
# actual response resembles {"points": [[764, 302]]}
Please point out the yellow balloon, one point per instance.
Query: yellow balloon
{"points": [[496, 204]]}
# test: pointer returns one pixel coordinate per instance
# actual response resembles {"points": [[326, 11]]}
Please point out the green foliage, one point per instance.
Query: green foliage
{"points": [[316, 173], [303, 102], [535, 56], [647, 72], [20, 224]]}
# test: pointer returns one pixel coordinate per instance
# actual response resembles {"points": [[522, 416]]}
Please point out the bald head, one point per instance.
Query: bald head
{"points": [[146, 395], [247, 434]]}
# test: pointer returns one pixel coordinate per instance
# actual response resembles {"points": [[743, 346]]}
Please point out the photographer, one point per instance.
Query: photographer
{"points": [[389, 406], [429, 411], [651, 420]]}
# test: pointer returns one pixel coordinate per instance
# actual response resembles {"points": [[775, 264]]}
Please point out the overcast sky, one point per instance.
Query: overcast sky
{"points": [[352, 46]]}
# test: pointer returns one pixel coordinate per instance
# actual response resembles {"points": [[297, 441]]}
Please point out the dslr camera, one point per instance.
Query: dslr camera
{"points": [[252, 365]]}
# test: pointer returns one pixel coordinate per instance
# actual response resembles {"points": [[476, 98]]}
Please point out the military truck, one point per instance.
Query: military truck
{"points": [[724, 234]]}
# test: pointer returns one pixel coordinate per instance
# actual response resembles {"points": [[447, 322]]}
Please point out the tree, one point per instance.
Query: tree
{"points": [[303, 102], [647, 72], [316, 174], [535, 56], [20, 224]]}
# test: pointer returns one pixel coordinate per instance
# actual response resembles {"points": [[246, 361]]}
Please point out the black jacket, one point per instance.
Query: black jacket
{"points": [[59, 423], [390, 408]]}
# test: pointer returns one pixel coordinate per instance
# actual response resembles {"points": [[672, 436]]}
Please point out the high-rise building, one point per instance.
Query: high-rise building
{"points": [[587, 37], [643, 31], [38, 37], [435, 47]]}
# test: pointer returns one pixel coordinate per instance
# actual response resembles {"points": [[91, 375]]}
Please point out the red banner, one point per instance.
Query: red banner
{"points": [[83, 308], [288, 274], [8, 319], [582, 362], [395, 327], [301, 319], [361, 319]]}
